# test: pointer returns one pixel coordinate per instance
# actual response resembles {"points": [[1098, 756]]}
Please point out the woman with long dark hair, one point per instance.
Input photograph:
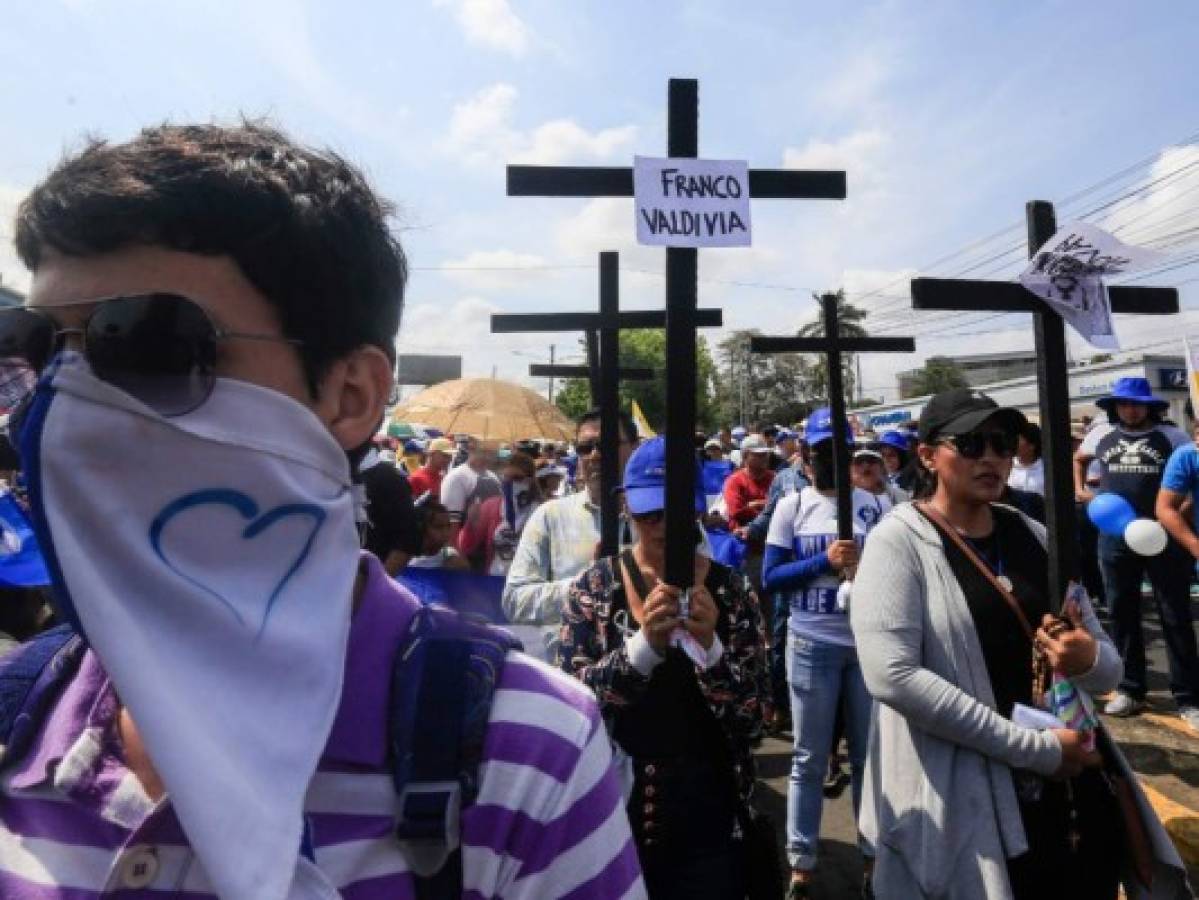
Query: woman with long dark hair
{"points": [[960, 801]]}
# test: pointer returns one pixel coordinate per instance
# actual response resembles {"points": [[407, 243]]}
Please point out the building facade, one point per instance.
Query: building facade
{"points": [[1166, 374]]}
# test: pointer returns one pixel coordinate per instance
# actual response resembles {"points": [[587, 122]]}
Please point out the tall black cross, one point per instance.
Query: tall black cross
{"points": [[1052, 375], [604, 360], [681, 275], [831, 346]]}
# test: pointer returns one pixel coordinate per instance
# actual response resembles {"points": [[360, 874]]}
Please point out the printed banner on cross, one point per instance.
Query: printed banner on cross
{"points": [[1068, 272], [691, 202]]}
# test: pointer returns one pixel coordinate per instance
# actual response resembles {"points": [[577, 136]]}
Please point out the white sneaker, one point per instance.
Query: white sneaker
{"points": [[1123, 705]]}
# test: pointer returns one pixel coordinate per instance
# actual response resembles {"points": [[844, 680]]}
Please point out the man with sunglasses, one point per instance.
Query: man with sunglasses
{"points": [[561, 538], [1132, 449], [212, 322]]}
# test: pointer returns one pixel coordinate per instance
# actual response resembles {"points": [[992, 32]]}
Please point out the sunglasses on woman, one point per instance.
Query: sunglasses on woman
{"points": [[974, 444], [159, 348]]}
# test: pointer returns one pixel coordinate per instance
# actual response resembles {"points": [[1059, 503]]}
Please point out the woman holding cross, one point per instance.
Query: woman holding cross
{"points": [[952, 629]]}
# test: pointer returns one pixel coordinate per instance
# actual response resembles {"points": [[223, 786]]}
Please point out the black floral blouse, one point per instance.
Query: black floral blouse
{"points": [[592, 648]]}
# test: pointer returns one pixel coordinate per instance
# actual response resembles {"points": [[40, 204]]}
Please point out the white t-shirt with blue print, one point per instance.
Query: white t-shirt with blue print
{"points": [[806, 524]]}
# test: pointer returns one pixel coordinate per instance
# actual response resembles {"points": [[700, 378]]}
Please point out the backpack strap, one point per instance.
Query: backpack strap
{"points": [[442, 686], [31, 677]]}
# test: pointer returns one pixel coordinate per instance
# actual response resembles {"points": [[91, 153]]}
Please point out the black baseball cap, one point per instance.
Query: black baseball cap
{"points": [[961, 410]]}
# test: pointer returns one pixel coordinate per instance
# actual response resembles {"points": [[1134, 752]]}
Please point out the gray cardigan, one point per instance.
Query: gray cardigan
{"points": [[938, 802]]}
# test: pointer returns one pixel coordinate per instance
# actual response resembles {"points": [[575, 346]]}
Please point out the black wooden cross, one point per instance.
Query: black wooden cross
{"points": [[681, 275], [604, 372], [1052, 375], [831, 346], [591, 370]]}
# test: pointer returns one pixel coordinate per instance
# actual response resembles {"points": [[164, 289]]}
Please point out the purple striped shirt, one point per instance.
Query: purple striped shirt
{"points": [[549, 820]]}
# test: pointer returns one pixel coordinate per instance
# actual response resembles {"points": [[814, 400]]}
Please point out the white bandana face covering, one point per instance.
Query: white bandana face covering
{"points": [[209, 560]]}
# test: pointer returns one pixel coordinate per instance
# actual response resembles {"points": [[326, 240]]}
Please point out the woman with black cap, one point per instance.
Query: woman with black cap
{"points": [[680, 690], [959, 801]]}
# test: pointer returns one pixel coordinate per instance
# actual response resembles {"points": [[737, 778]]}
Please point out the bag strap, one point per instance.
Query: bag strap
{"points": [[30, 677], [935, 516], [443, 683]]}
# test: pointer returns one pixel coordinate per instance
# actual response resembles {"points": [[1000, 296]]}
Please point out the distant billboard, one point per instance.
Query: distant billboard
{"points": [[423, 370]]}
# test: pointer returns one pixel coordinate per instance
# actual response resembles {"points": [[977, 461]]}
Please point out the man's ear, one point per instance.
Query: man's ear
{"points": [[353, 395]]}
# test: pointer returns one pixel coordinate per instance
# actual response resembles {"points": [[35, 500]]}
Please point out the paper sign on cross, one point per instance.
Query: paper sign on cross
{"points": [[604, 370], [831, 346], [1052, 376], [681, 291]]}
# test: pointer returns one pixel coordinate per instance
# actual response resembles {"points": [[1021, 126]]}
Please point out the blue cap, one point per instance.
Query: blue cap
{"points": [[820, 427], [738, 432], [645, 479], [896, 439], [786, 434], [21, 562]]}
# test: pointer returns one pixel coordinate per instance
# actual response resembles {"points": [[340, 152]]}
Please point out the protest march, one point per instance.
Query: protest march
{"points": [[486, 450]]}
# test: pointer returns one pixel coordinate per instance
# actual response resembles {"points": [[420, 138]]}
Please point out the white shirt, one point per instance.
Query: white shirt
{"points": [[806, 523], [1028, 478], [457, 487]]}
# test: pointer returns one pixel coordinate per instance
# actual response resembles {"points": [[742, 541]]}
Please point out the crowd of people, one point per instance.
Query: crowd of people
{"points": [[241, 699]]}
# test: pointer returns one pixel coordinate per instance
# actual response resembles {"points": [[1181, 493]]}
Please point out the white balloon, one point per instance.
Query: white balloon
{"points": [[1146, 537]]}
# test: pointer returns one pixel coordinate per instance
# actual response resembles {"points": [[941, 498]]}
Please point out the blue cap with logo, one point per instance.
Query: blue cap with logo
{"points": [[896, 439], [820, 427], [645, 479]]}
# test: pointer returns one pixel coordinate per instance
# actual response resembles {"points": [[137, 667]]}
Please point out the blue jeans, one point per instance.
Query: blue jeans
{"points": [[821, 675]]}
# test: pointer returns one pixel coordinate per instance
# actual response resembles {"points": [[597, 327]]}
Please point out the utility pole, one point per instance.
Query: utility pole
{"points": [[549, 395]]}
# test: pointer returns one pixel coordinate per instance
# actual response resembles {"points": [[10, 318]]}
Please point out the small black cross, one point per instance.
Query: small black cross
{"points": [[603, 329], [1053, 378], [831, 346], [681, 275]]}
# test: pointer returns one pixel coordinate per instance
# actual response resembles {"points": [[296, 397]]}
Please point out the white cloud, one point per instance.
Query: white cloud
{"points": [[862, 154], [13, 273], [1158, 217], [490, 23], [482, 132], [484, 271]]}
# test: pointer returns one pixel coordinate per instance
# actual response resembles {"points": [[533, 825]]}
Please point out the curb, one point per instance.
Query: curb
{"points": [[1181, 823]]}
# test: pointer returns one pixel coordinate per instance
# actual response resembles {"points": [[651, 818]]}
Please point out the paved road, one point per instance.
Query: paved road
{"points": [[1160, 748]]}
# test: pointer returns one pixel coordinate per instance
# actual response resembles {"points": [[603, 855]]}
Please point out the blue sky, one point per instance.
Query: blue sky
{"points": [[948, 116]]}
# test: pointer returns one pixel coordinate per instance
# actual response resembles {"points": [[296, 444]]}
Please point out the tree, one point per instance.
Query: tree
{"points": [[646, 348], [574, 397], [849, 324], [755, 387], [940, 373]]}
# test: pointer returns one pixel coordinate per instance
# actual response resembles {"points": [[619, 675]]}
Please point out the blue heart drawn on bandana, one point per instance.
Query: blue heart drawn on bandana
{"points": [[256, 524]]}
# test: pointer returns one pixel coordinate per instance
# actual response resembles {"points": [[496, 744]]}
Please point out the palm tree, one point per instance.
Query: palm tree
{"points": [[849, 323]]}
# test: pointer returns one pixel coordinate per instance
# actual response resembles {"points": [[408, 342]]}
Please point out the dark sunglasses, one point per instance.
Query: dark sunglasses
{"points": [[974, 444], [586, 448], [158, 348]]}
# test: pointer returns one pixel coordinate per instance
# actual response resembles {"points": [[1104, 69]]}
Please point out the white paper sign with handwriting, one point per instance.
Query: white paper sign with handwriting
{"points": [[1068, 273], [691, 202]]}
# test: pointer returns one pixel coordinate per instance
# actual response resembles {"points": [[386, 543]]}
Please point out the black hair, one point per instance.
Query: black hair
{"points": [[820, 458], [1154, 413], [627, 425], [303, 225], [1031, 432]]}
